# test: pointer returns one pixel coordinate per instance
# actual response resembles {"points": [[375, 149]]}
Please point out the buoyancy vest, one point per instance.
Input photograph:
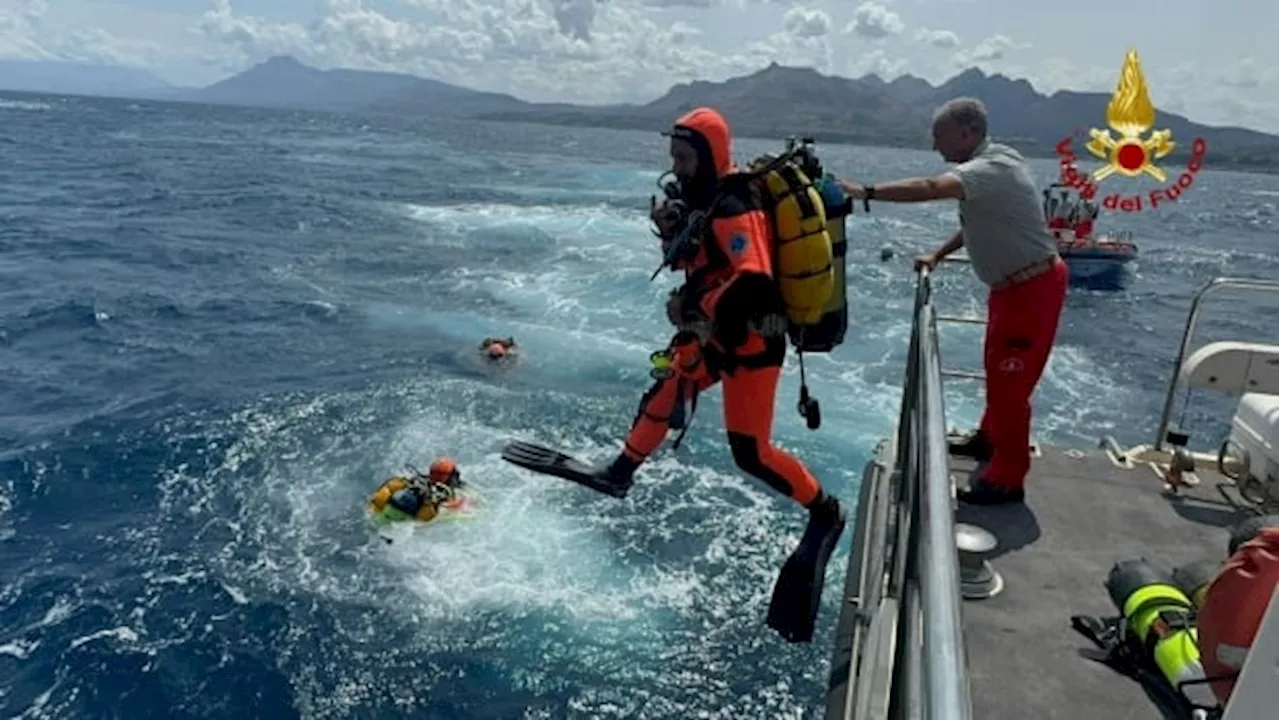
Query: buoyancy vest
{"points": [[809, 247]]}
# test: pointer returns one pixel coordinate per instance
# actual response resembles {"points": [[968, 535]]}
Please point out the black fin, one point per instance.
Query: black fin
{"points": [[797, 594], [547, 461]]}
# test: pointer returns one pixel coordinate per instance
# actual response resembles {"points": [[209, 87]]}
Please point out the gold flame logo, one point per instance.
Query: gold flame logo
{"points": [[1130, 113]]}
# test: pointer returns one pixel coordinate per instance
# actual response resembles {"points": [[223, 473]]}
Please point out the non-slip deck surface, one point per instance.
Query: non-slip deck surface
{"points": [[1082, 514]]}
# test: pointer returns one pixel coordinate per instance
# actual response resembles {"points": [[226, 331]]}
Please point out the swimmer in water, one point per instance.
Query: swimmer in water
{"points": [[498, 349]]}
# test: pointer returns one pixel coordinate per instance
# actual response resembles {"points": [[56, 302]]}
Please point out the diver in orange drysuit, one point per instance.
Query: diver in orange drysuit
{"points": [[729, 289], [728, 297]]}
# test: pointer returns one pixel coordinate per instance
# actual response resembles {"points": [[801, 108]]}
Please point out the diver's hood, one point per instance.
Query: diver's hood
{"points": [[708, 133]]}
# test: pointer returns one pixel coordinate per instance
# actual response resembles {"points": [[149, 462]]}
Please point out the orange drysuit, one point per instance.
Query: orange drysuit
{"points": [[729, 281]]}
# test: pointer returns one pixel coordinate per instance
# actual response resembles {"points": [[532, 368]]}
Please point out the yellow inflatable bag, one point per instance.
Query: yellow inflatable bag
{"points": [[802, 245]]}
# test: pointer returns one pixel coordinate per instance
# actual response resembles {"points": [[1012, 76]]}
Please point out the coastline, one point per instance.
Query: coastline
{"points": [[1038, 149]]}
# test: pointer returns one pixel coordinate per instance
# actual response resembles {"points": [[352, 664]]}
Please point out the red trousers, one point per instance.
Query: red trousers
{"points": [[1022, 320]]}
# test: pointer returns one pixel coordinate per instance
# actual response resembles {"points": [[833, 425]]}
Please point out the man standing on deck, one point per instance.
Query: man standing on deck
{"points": [[1002, 225]]}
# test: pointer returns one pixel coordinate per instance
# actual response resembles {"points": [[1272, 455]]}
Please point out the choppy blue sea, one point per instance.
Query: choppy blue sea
{"points": [[220, 328]]}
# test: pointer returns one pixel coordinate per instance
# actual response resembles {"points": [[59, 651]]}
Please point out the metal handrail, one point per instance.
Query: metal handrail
{"points": [[914, 638], [945, 675], [907, 461], [1221, 283]]}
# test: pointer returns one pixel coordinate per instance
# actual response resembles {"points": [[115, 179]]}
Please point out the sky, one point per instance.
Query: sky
{"points": [[1215, 65]]}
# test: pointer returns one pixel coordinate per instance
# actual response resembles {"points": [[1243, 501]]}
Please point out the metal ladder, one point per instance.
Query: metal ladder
{"points": [[960, 374]]}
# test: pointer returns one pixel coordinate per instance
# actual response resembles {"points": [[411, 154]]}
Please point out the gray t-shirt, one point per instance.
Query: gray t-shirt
{"points": [[1001, 215]]}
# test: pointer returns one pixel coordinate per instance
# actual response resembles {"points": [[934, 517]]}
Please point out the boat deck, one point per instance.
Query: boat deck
{"points": [[1082, 514]]}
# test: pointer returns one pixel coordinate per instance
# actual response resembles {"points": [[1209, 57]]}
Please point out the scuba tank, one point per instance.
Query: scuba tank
{"points": [[835, 314], [799, 192], [1161, 619], [807, 210], [1194, 578]]}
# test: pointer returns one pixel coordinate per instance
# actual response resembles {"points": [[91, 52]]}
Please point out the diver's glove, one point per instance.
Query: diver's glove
{"points": [[682, 307], [684, 313], [687, 357], [668, 217], [675, 306]]}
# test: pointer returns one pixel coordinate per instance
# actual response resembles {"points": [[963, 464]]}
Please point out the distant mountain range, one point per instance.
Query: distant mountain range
{"points": [[71, 78], [773, 102]]}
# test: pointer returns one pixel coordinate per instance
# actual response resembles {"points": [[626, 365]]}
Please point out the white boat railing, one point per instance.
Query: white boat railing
{"points": [[1209, 288], [906, 654], [907, 658], [937, 568]]}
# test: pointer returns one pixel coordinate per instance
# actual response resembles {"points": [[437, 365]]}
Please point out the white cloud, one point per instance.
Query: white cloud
{"points": [[874, 21], [575, 17], [802, 42], [994, 47], [944, 39], [1052, 73], [1218, 95], [27, 32], [612, 50], [877, 62], [682, 3], [804, 22], [1247, 91], [569, 50], [1248, 74], [539, 47]]}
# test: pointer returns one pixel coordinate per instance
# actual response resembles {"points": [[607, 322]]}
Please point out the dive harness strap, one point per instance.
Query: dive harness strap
{"points": [[715, 362], [678, 419], [1127, 656], [698, 219], [1108, 634], [806, 405], [688, 417]]}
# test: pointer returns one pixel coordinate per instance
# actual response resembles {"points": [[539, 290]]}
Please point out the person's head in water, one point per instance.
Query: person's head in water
{"points": [[444, 472], [497, 348], [959, 127], [701, 153]]}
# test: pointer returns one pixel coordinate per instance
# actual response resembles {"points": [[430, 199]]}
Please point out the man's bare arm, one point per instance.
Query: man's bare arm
{"points": [[955, 243], [946, 186]]}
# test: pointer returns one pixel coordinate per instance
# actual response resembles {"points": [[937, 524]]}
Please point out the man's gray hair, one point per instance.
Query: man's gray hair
{"points": [[965, 112]]}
